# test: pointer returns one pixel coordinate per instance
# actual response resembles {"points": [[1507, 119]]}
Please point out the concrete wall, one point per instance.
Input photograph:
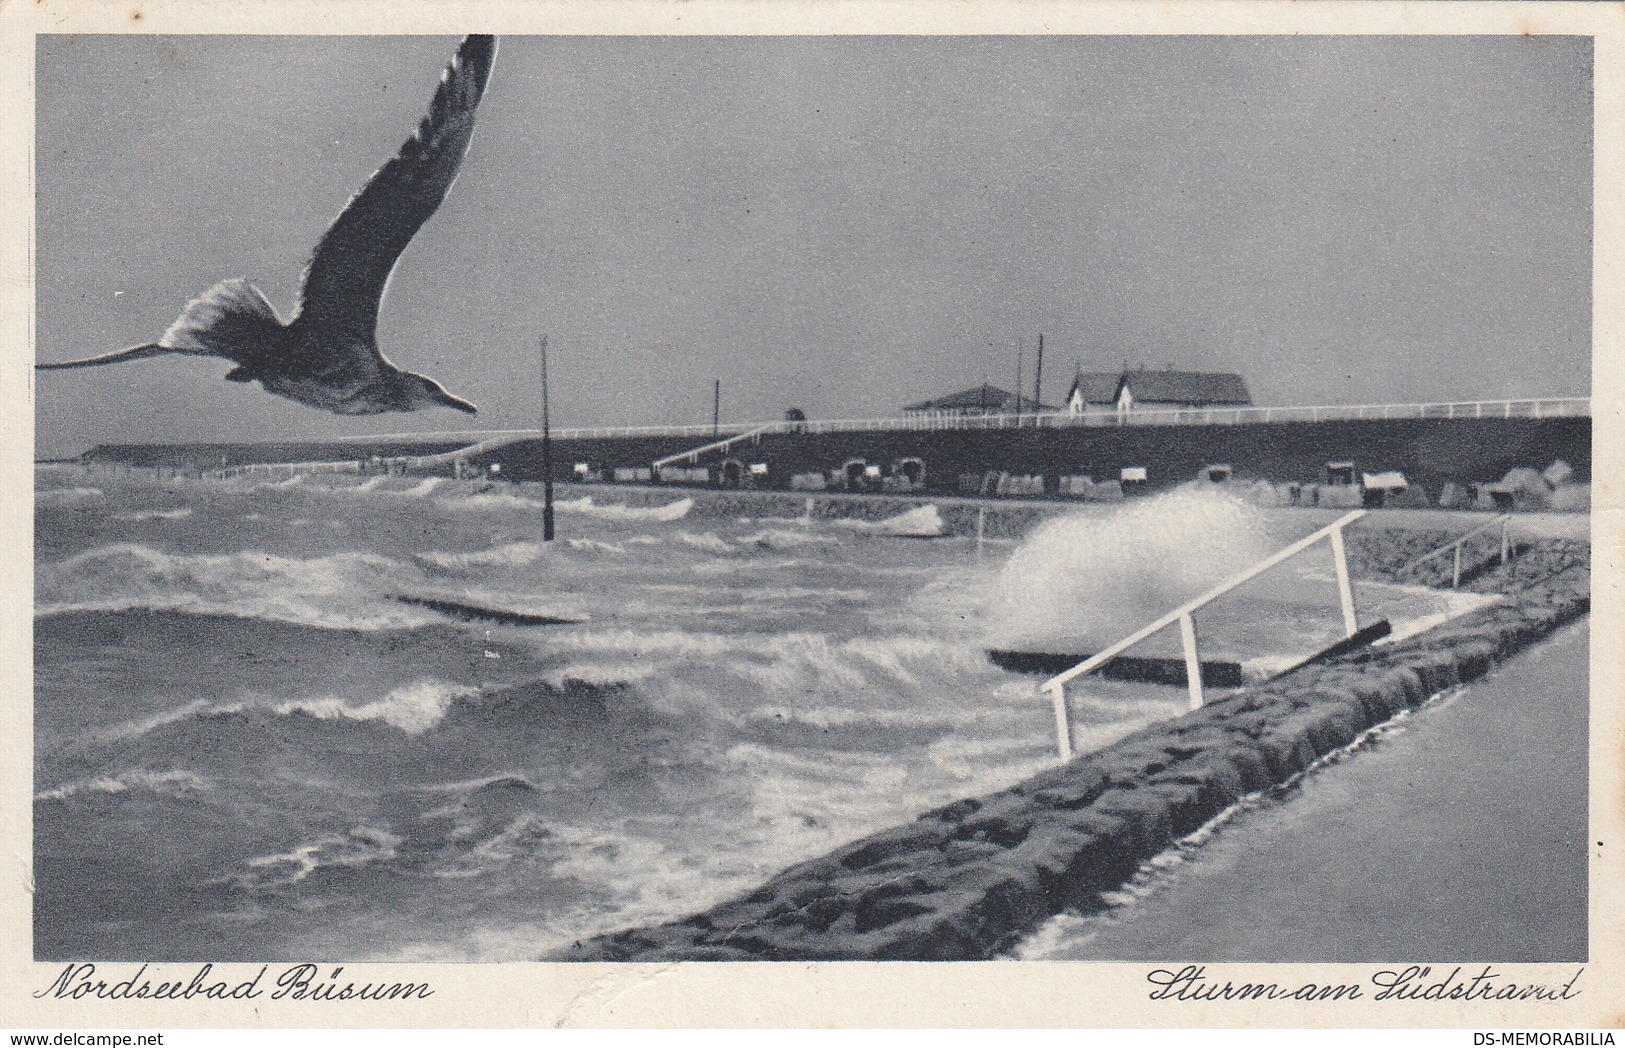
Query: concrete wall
{"points": [[1429, 452]]}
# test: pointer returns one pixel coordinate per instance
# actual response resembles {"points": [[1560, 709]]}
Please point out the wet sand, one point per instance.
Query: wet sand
{"points": [[1461, 838]]}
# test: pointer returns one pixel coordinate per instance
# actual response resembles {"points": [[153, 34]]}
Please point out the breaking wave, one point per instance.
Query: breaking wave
{"points": [[922, 522], [413, 709], [62, 496], [787, 539], [337, 591], [1084, 580], [512, 555], [502, 500], [168, 783], [709, 542]]}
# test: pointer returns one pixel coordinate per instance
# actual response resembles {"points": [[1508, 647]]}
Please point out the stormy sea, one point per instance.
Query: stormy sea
{"points": [[345, 717]]}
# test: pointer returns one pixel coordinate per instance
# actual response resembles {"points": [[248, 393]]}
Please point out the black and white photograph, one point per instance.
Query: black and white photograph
{"points": [[1057, 499]]}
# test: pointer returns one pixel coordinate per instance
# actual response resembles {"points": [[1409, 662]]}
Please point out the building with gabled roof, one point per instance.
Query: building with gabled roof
{"points": [[1154, 390], [1093, 390], [979, 400]]}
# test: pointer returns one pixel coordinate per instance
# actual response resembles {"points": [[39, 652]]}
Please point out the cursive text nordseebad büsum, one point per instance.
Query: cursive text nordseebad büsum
{"points": [[1413, 983], [299, 982]]}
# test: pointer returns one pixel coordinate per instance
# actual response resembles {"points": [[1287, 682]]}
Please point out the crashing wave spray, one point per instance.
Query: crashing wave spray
{"points": [[1081, 582]]}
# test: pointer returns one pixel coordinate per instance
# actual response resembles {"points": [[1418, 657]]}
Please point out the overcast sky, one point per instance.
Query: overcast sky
{"points": [[840, 224]]}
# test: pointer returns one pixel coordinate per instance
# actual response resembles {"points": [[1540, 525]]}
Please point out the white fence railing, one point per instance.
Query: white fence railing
{"points": [[1551, 407], [280, 469], [1055, 687], [1504, 521], [692, 455]]}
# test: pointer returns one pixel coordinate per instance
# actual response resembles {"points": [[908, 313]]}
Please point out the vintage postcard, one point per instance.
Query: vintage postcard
{"points": [[827, 514]]}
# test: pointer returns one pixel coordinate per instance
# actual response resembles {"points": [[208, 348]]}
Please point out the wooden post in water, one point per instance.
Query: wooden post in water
{"points": [[547, 456]]}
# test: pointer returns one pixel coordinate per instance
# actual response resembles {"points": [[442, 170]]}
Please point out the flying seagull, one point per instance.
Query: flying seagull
{"points": [[327, 356]]}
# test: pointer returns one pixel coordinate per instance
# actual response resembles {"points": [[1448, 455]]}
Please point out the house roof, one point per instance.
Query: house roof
{"points": [[1099, 387], [1187, 387], [992, 398]]}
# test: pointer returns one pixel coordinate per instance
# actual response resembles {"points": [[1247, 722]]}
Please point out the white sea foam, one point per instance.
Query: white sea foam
{"points": [[167, 783], [338, 591], [503, 500], [423, 487], [155, 514], [708, 541], [1085, 580], [63, 496], [362, 845], [595, 546], [920, 522], [414, 709], [786, 539], [512, 555], [615, 511]]}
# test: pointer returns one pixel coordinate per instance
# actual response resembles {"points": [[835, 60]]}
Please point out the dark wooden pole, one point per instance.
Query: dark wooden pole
{"points": [[1018, 383], [547, 456], [1038, 377], [716, 408]]}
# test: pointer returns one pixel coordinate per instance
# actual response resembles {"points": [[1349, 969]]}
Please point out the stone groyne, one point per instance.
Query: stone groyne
{"points": [[969, 880]]}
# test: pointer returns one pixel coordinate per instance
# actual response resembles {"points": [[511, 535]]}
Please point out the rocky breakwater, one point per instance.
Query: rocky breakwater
{"points": [[968, 880]]}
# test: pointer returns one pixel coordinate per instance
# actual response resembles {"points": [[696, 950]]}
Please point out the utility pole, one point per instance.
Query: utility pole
{"points": [[1038, 379], [547, 455], [1018, 384], [716, 408]]}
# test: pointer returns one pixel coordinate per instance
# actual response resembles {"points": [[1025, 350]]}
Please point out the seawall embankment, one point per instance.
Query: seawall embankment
{"points": [[1431, 452], [968, 880]]}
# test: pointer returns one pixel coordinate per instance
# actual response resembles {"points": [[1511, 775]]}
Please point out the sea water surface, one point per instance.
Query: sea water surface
{"points": [[274, 721]]}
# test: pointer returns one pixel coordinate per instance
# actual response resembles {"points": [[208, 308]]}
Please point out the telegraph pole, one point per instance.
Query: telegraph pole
{"points": [[1038, 378], [716, 408], [547, 456], [1018, 385]]}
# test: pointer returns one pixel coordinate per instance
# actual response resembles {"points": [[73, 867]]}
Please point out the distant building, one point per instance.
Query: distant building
{"points": [[1093, 391], [982, 400], [1155, 390]]}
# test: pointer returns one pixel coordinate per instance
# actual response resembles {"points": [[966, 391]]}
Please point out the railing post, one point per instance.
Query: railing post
{"points": [[1455, 579], [1345, 591], [1504, 544], [1063, 728], [1193, 661]]}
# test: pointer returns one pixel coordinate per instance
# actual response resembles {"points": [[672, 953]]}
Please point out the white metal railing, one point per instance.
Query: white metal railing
{"points": [[1055, 687], [578, 433], [1550, 407], [273, 469], [724, 444], [1505, 521]]}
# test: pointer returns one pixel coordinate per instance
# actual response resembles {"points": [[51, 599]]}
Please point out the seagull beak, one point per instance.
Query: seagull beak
{"points": [[455, 402]]}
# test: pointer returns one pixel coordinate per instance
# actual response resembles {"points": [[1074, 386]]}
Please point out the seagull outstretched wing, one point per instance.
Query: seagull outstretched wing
{"points": [[344, 282]]}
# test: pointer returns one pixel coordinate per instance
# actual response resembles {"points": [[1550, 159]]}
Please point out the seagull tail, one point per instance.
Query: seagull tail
{"points": [[222, 321], [151, 349]]}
